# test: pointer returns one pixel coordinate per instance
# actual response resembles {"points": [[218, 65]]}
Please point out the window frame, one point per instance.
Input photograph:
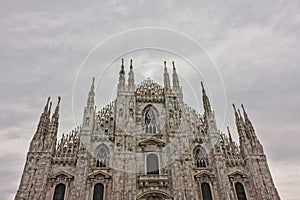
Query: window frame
{"points": [[243, 190], [103, 191], [156, 171], [57, 192]]}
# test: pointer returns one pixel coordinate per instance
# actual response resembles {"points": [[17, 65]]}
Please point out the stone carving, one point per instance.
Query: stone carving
{"points": [[112, 145]]}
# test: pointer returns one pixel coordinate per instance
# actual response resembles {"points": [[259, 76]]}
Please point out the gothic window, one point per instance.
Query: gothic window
{"points": [[87, 121], [206, 193], [240, 192], [121, 113], [102, 156], [152, 164], [59, 192], [200, 160], [98, 192], [150, 121]]}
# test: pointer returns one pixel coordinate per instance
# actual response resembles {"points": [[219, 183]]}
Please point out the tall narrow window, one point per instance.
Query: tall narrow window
{"points": [[206, 193], [102, 156], [150, 121], [59, 192], [152, 164], [98, 192], [200, 160], [240, 192]]}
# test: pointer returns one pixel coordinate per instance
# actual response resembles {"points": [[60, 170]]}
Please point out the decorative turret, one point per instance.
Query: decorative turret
{"points": [[166, 78], [42, 129], [251, 135], [91, 95], [229, 134], [206, 104], [89, 110], [243, 140], [54, 128], [176, 86], [131, 86], [121, 84], [248, 125]]}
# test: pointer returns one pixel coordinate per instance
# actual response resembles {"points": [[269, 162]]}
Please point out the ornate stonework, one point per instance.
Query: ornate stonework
{"points": [[148, 145]]}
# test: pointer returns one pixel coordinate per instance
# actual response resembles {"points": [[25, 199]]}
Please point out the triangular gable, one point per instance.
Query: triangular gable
{"points": [[238, 173], [204, 173], [155, 193], [63, 173], [101, 173], [152, 141]]}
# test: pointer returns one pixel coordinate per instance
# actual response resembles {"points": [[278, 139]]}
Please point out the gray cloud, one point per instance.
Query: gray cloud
{"points": [[255, 46]]}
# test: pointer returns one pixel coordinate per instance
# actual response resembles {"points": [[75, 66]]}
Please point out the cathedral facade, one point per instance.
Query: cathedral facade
{"points": [[148, 145]]}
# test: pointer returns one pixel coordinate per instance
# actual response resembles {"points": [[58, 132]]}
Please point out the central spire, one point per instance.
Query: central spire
{"points": [[91, 96]]}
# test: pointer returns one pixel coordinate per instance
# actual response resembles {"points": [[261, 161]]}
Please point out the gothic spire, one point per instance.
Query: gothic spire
{"points": [[166, 77], [42, 128], [55, 115], [238, 122], [248, 123], [243, 140], [122, 67], [46, 106], [206, 104], [131, 86], [45, 117], [229, 134], [121, 85], [176, 86], [52, 135], [49, 110], [91, 95]]}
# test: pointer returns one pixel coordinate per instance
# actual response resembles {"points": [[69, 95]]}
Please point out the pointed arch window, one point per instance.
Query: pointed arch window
{"points": [[59, 192], [152, 164], [102, 156], [206, 192], [98, 191], [200, 159], [150, 121], [240, 191]]}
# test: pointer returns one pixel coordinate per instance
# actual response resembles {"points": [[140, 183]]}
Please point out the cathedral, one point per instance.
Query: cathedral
{"points": [[147, 144]]}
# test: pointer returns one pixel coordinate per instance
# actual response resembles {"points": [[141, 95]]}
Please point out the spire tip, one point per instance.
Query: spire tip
{"points": [[202, 85]]}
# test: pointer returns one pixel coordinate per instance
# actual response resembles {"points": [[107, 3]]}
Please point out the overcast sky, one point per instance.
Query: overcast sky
{"points": [[244, 52]]}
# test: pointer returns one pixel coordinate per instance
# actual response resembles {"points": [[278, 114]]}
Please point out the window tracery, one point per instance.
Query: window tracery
{"points": [[200, 159], [102, 156], [150, 121]]}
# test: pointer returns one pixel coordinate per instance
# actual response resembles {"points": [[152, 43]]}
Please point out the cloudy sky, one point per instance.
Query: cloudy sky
{"points": [[245, 52]]}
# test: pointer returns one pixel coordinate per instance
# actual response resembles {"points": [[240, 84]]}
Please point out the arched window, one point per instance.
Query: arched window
{"points": [[152, 164], [102, 156], [200, 160], [98, 192], [240, 192], [150, 121], [206, 193], [59, 192]]}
